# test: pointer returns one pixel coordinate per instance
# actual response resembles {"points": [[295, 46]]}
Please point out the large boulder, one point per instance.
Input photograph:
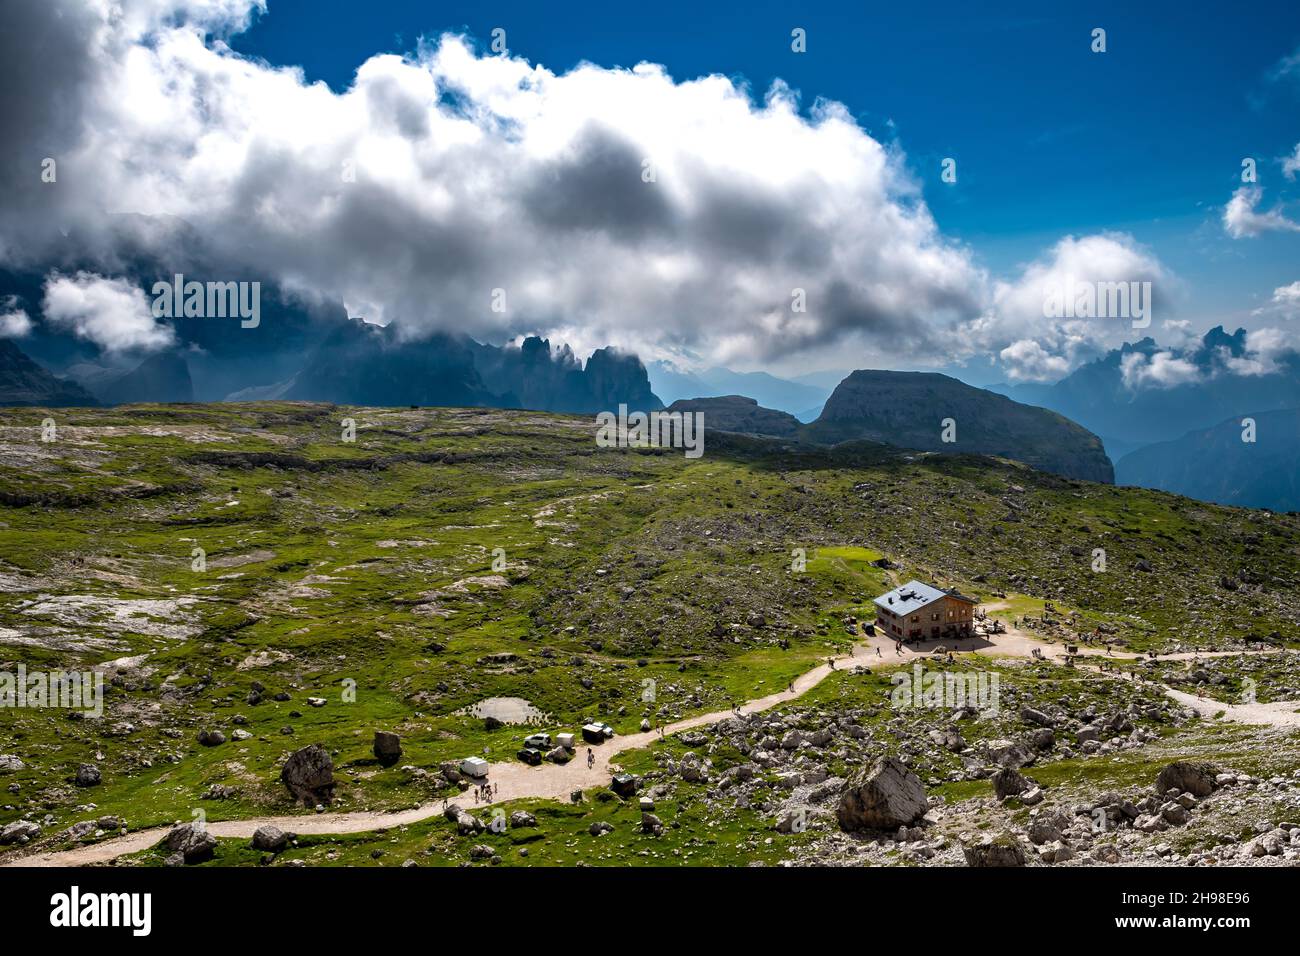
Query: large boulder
{"points": [[388, 747], [192, 841], [11, 763], [885, 797], [1009, 782], [1187, 776], [88, 775], [1001, 850], [309, 775], [270, 838]]}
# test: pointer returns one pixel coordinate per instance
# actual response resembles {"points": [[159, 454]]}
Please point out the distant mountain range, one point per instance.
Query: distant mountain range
{"points": [[315, 352], [23, 382], [1115, 398], [801, 400], [908, 410], [1216, 464]]}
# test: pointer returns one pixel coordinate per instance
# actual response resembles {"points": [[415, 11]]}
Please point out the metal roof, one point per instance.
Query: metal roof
{"points": [[912, 596]]}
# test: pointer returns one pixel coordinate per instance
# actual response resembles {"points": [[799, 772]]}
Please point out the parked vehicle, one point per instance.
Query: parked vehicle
{"points": [[530, 755], [538, 741], [475, 767]]}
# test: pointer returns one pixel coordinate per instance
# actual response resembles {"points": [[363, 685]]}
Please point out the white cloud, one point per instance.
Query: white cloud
{"points": [[1264, 348], [1242, 221], [1159, 370], [1291, 164], [112, 313], [1034, 347], [1287, 296], [1027, 360], [1284, 303], [14, 322], [474, 173]]}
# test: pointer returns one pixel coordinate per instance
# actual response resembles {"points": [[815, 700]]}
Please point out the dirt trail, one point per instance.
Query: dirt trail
{"points": [[513, 780]]}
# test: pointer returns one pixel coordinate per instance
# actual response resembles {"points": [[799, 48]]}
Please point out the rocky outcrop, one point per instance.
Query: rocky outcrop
{"points": [[23, 382], [533, 375], [735, 413], [20, 832], [908, 409], [884, 797]]}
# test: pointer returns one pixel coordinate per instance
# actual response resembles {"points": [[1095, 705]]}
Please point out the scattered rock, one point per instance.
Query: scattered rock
{"points": [[20, 832], [1001, 850]]}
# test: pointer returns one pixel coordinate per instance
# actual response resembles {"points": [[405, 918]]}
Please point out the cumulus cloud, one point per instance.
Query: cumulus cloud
{"points": [[1265, 348], [1241, 220], [1287, 295], [1158, 370], [1018, 325], [441, 176], [1284, 303], [670, 216], [1027, 360], [14, 322], [112, 313]]}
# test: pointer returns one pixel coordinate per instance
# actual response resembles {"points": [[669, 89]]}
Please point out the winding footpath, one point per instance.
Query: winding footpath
{"points": [[514, 780]]}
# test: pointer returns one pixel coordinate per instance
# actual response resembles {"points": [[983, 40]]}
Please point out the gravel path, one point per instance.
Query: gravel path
{"points": [[514, 780]]}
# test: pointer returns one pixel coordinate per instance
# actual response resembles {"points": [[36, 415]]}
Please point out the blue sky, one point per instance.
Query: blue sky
{"points": [[1050, 138]]}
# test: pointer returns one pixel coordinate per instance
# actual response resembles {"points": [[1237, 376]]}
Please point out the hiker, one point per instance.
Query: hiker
{"points": [[591, 759]]}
